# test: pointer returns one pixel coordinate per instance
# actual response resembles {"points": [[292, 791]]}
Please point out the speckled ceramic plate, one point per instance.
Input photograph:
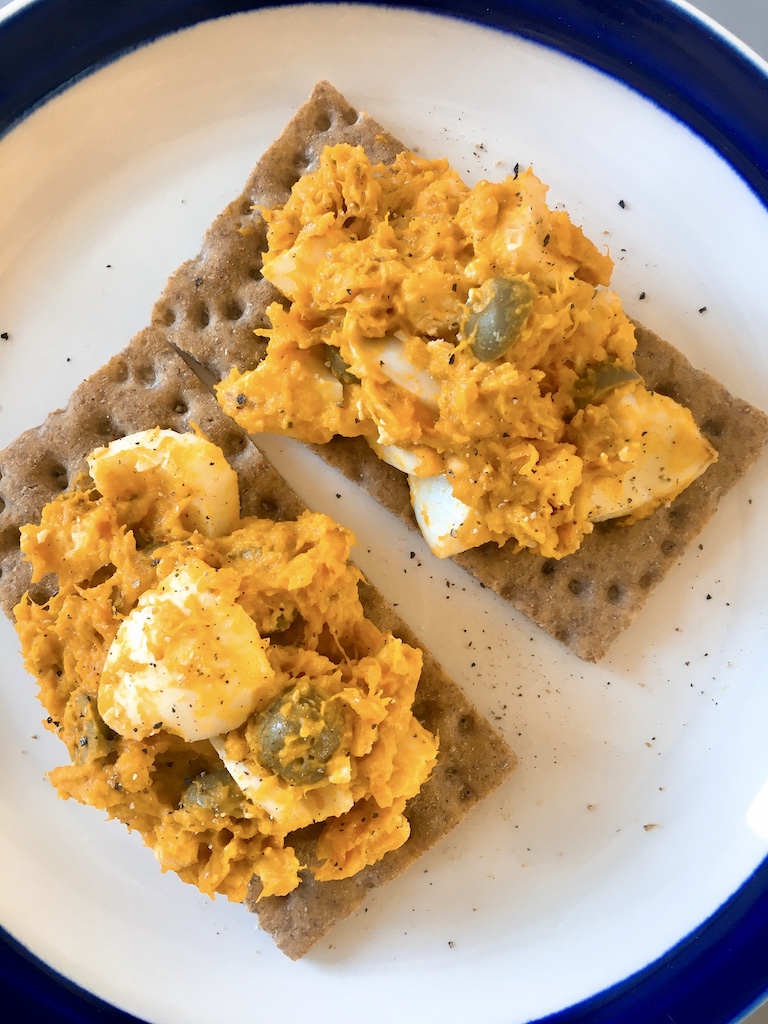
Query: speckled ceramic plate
{"points": [[621, 874]]}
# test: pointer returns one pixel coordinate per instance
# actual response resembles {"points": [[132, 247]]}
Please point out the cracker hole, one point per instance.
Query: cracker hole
{"points": [[614, 593], [350, 116], [323, 121], [669, 547], [58, 475], [37, 595], [254, 271], [181, 407], [145, 374], [563, 635], [466, 793], [169, 317], [714, 428], [576, 587], [103, 426], [232, 444], [10, 538], [678, 513], [466, 723], [2, 504], [268, 509], [424, 711], [202, 316], [647, 580], [549, 567], [233, 310]]}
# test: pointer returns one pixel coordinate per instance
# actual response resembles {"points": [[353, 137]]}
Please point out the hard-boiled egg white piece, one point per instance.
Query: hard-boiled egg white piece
{"points": [[393, 362], [400, 458], [293, 270], [439, 513], [186, 659], [670, 455], [291, 806], [185, 471]]}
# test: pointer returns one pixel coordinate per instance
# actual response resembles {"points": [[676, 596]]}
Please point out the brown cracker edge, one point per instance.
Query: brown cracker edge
{"points": [[585, 600], [149, 385]]}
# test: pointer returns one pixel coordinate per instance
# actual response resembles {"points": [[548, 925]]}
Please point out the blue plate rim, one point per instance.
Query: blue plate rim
{"points": [[661, 50]]}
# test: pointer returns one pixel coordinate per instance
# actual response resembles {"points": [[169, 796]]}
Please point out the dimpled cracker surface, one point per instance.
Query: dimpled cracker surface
{"points": [[213, 303], [147, 385]]}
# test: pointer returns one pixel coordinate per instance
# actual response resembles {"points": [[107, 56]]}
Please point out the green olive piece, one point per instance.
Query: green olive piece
{"points": [[214, 791], [599, 381], [94, 740], [496, 316], [340, 370], [297, 735]]}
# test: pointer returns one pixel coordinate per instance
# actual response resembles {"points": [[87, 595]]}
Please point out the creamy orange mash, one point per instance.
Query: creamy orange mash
{"points": [[214, 678], [469, 335]]}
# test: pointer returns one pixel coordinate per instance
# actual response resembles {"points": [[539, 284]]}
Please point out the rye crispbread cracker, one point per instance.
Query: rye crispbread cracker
{"points": [[213, 303], [149, 385]]}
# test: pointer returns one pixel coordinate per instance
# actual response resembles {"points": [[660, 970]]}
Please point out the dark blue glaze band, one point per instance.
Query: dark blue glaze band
{"points": [[720, 971]]}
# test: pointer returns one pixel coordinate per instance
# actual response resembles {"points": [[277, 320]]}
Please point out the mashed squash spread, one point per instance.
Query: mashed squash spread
{"points": [[469, 335], [214, 678]]}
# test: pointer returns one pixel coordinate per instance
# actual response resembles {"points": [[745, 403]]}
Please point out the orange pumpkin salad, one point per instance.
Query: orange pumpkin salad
{"points": [[470, 336], [214, 678]]}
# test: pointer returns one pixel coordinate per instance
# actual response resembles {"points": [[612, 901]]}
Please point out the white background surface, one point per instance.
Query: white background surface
{"points": [[748, 19]]}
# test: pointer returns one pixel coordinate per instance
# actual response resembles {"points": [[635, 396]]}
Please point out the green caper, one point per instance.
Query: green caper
{"points": [[335, 363], [599, 381], [297, 735], [93, 739], [214, 791], [496, 315]]}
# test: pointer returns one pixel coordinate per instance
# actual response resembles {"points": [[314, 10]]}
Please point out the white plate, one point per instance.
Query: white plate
{"points": [[636, 811]]}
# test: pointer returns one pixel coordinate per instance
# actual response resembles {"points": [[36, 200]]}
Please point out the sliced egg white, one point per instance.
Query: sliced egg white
{"points": [[289, 269], [400, 458], [187, 659], [439, 513], [390, 354], [291, 806], [672, 453], [184, 469]]}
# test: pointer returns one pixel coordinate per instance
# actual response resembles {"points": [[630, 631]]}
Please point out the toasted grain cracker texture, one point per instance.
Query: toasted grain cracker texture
{"points": [[213, 303], [147, 385], [150, 385], [584, 600]]}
